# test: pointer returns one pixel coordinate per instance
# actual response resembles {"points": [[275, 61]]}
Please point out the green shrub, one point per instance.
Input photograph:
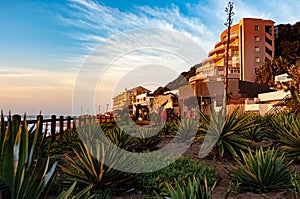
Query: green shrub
{"points": [[180, 170], [191, 188], [261, 171]]}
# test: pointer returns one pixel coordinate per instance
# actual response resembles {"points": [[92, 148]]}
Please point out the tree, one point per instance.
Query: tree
{"points": [[265, 74], [287, 42], [293, 86]]}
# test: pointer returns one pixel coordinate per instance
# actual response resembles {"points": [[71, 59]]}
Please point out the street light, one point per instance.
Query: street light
{"points": [[107, 107]]}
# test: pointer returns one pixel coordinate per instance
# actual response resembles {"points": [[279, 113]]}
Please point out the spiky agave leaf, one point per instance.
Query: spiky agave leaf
{"points": [[21, 166], [192, 188], [95, 164], [262, 171], [287, 128], [226, 134]]}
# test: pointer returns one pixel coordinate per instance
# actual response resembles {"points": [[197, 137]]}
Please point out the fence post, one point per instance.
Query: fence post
{"points": [[102, 119], [16, 119], [97, 120], [69, 122], [74, 122], [89, 119], [53, 127], [82, 120], [40, 127], [4, 191], [61, 125]]}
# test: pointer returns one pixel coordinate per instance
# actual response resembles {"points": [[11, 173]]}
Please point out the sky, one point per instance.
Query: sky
{"points": [[55, 55]]}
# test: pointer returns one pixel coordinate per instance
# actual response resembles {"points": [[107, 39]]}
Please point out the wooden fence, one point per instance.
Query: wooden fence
{"points": [[59, 124]]}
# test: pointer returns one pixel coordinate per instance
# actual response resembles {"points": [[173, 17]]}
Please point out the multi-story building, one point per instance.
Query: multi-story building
{"points": [[251, 42], [127, 98]]}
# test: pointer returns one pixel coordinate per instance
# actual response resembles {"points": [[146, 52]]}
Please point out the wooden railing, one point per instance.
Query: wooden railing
{"points": [[58, 124]]}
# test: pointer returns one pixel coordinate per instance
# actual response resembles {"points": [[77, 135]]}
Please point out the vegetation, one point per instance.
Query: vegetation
{"points": [[293, 87], [84, 194], [191, 188], [27, 172], [87, 158], [146, 139], [261, 171], [94, 163], [265, 73], [187, 130], [181, 80], [176, 174], [226, 136], [287, 133], [259, 131], [287, 44]]}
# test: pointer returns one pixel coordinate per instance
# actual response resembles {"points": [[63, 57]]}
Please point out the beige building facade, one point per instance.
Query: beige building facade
{"points": [[251, 42], [127, 98]]}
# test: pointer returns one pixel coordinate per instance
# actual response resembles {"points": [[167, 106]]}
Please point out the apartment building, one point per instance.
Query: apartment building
{"points": [[251, 42], [127, 98]]}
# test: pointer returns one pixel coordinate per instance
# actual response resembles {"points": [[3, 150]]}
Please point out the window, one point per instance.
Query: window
{"points": [[235, 52], [257, 59], [256, 28], [234, 71], [257, 49], [256, 38]]}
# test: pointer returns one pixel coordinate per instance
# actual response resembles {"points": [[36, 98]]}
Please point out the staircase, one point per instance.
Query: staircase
{"points": [[279, 106]]}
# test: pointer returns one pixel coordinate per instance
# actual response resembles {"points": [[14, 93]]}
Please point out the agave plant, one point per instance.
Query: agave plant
{"points": [[23, 167], [70, 137], [287, 128], [193, 188], [261, 171], [94, 162], [226, 134], [259, 131], [83, 194], [118, 137], [187, 130], [170, 128], [146, 139]]}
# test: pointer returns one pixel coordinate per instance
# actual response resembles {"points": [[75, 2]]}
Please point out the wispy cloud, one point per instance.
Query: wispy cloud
{"points": [[213, 15], [101, 22], [33, 78]]}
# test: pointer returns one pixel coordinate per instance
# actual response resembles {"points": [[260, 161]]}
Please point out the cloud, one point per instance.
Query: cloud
{"points": [[34, 78], [213, 15], [96, 22]]}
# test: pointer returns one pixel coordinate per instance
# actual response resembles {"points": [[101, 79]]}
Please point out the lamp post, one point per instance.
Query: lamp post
{"points": [[107, 107]]}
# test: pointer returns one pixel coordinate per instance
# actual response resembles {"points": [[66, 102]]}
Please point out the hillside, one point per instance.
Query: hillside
{"points": [[287, 42]]}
